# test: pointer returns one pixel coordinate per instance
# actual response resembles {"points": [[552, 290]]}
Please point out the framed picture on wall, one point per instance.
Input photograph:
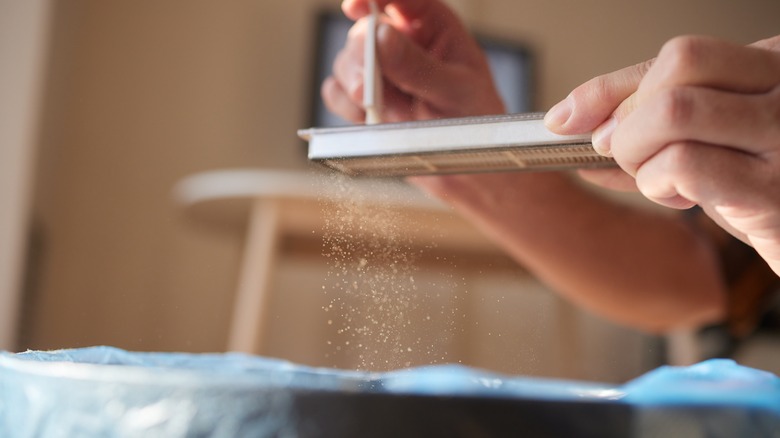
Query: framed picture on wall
{"points": [[511, 65]]}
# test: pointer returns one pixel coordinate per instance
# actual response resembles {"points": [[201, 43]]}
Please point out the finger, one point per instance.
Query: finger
{"points": [[422, 18], [612, 179], [702, 62], [690, 172], [416, 72], [348, 65], [712, 63], [411, 9], [590, 104], [697, 114], [348, 70], [723, 223], [339, 103], [405, 71]]}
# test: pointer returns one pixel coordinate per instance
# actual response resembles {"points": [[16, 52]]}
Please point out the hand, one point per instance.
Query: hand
{"points": [[431, 65], [700, 124]]}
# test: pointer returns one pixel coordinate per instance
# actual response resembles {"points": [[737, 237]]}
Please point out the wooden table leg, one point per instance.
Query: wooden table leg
{"points": [[247, 330]]}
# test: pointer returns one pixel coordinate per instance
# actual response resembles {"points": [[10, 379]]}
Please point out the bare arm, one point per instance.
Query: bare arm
{"points": [[647, 271]]}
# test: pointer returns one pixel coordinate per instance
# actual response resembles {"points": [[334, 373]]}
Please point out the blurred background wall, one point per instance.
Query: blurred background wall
{"points": [[23, 41], [140, 94]]}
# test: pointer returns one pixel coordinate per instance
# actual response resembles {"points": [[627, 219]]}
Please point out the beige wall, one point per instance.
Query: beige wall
{"points": [[143, 93], [574, 41]]}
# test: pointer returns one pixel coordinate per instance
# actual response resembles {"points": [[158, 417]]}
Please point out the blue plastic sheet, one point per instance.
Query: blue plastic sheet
{"points": [[104, 391], [716, 382]]}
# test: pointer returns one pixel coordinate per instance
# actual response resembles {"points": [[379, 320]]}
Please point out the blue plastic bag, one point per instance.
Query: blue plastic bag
{"points": [[108, 392]]}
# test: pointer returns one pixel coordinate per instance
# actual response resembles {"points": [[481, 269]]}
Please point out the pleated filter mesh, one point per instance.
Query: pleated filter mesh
{"points": [[558, 157]]}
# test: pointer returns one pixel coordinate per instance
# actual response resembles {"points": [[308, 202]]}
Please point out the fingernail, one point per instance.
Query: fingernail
{"points": [[602, 137], [558, 114]]}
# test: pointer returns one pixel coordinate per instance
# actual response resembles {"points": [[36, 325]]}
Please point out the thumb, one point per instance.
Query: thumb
{"points": [[593, 102], [626, 107]]}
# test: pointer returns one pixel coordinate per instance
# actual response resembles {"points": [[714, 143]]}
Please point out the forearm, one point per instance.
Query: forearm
{"points": [[651, 272]]}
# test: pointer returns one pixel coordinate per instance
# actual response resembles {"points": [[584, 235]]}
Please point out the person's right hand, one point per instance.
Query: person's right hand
{"points": [[696, 126], [431, 66]]}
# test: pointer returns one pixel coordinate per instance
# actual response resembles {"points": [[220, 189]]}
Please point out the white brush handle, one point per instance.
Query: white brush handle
{"points": [[372, 76]]}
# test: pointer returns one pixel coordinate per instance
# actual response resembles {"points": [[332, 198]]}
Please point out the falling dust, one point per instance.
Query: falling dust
{"points": [[382, 315]]}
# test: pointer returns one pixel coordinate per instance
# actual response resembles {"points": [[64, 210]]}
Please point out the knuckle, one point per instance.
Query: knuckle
{"points": [[678, 161], [683, 55], [676, 108], [672, 172], [643, 67]]}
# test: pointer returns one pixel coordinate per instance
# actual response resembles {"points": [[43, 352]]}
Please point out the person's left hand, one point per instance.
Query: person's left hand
{"points": [[431, 66], [702, 127]]}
